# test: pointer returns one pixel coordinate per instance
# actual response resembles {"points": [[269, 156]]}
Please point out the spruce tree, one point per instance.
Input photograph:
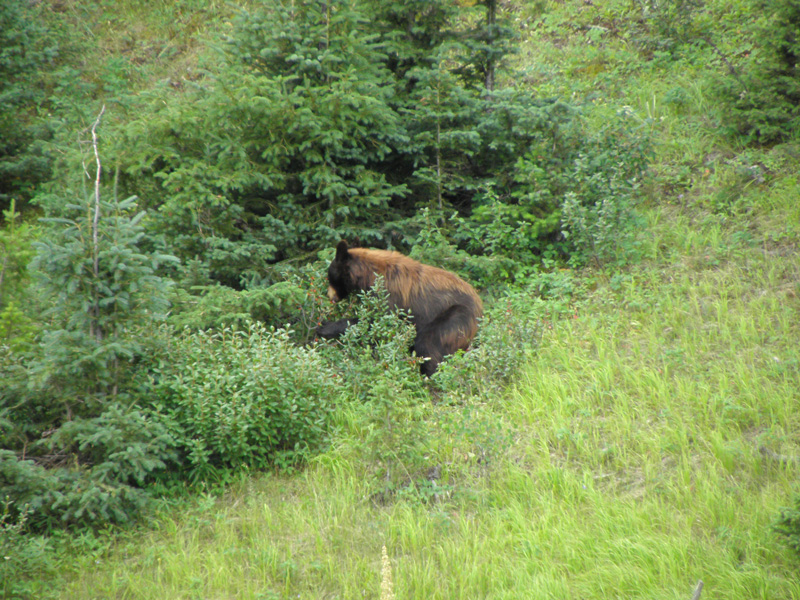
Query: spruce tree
{"points": [[101, 288], [281, 150]]}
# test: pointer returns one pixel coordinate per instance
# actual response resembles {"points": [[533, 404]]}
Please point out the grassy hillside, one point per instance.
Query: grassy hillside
{"points": [[649, 442]]}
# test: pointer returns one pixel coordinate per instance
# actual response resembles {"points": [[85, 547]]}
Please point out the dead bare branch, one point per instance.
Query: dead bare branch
{"points": [[96, 219]]}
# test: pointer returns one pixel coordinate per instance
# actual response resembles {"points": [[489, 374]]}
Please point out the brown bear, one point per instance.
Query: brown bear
{"points": [[444, 308]]}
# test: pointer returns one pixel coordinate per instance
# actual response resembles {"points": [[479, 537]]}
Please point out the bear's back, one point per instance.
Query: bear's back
{"points": [[425, 290]]}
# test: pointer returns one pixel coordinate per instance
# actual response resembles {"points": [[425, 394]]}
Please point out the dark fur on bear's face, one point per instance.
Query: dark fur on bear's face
{"points": [[341, 281], [445, 309]]}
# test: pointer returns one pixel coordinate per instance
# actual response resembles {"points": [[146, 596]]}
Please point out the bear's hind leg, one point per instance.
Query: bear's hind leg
{"points": [[449, 332]]}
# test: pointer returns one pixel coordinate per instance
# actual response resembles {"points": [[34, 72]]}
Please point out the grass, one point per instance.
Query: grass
{"points": [[648, 444], [644, 455]]}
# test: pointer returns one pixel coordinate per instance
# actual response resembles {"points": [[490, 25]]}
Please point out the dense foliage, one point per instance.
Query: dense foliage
{"points": [[26, 54], [240, 398], [168, 336], [765, 94], [757, 80], [323, 121]]}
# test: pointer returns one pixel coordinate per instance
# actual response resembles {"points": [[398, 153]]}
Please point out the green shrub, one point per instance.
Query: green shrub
{"points": [[217, 306], [298, 301], [438, 244], [27, 50], [387, 396], [665, 27], [550, 155], [24, 558], [373, 356], [788, 524], [241, 398], [95, 471], [762, 90], [598, 212]]}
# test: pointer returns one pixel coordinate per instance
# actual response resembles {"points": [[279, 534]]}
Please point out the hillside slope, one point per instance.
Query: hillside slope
{"points": [[652, 436]]}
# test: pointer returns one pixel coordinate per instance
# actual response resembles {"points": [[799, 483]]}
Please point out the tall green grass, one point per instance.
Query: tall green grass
{"points": [[649, 443], [645, 452]]}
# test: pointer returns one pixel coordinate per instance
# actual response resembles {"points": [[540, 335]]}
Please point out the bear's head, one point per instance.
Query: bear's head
{"points": [[345, 274]]}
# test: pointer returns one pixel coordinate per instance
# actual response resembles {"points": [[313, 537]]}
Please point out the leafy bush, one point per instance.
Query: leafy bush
{"points": [[552, 157], [373, 356], [241, 398], [24, 558], [598, 213], [529, 145], [388, 396], [665, 27]]}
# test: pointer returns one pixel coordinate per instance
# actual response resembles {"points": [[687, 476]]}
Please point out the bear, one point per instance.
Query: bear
{"points": [[444, 308]]}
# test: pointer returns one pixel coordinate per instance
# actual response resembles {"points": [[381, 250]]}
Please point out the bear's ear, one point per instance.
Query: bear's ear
{"points": [[342, 254]]}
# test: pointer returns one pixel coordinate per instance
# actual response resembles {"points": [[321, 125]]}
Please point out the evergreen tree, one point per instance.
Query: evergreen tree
{"points": [[411, 31], [766, 98], [102, 290], [486, 44], [441, 116], [24, 50], [341, 119], [280, 152], [70, 402]]}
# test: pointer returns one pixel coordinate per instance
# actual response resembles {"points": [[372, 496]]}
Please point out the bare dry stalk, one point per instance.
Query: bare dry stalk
{"points": [[387, 592], [96, 220]]}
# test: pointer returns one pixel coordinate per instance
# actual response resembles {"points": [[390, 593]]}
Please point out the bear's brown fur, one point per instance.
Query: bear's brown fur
{"points": [[445, 308]]}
